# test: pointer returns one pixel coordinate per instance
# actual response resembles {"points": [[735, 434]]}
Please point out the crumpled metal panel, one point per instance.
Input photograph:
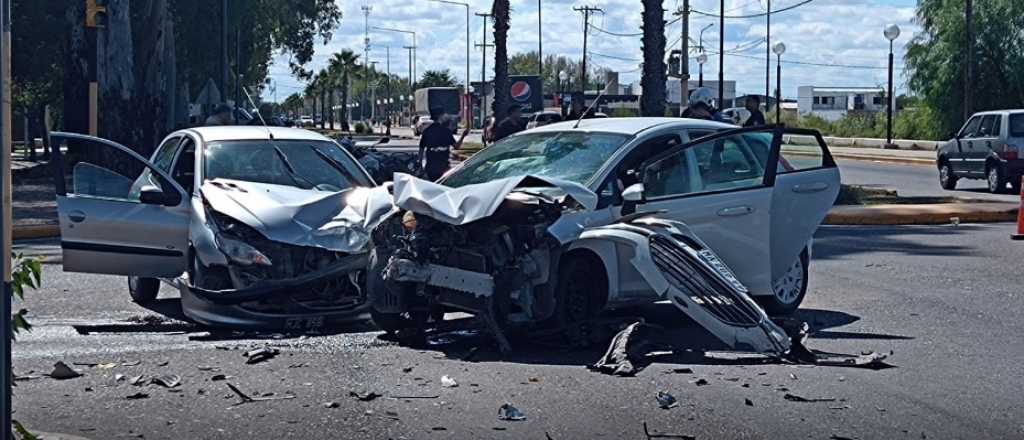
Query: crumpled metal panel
{"points": [[337, 221], [458, 206]]}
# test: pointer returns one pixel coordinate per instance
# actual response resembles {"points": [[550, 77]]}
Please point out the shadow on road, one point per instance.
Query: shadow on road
{"points": [[836, 242]]}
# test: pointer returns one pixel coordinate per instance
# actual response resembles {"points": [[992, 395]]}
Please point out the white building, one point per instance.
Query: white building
{"points": [[832, 103], [673, 92]]}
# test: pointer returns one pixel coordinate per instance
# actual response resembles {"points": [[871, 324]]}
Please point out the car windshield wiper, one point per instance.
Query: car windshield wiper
{"points": [[333, 163], [288, 166]]}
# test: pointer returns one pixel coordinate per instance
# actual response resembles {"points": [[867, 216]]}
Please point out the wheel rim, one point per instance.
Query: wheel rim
{"points": [[944, 175], [788, 287], [993, 179], [133, 283]]}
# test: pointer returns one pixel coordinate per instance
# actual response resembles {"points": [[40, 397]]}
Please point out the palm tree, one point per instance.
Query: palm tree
{"points": [[500, 9], [342, 66], [437, 78], [652, 81]]}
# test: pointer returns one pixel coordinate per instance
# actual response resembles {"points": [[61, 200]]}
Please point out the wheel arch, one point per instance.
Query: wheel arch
{"points": [[602, 256]]}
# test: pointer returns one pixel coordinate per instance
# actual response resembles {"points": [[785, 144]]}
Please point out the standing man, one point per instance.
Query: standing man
{"points": [[221, 116], [578, 108], [753, 106], [511, 124], [436, 145]]}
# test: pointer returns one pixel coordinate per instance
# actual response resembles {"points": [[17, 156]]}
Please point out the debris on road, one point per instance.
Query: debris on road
{"points": [[364, 397], [137, 396], [678, 436], [699, 382], [62, 371], [748, 402], [510, 413], [796, 398], [627, 353], [679, 371], [137, 380], [448, 382], [248, 399], [331, 404], [260, 354], [218, 377], [166, 380], [666, 400], [414, 397]]}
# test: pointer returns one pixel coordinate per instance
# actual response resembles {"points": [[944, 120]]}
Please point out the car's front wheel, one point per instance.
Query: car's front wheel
{"points": [[788, 291], [143, 290], [946, 177]]}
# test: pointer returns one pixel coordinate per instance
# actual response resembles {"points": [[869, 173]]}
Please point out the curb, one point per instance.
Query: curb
{"points": [[903, 160], [921, 214], [27, 232]]}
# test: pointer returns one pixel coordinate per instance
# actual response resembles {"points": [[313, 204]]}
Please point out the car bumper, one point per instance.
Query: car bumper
{"points": [[233, 308]]}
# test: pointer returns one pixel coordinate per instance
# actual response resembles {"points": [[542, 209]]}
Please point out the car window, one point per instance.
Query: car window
{"points": [[1017, 125], [185, 166], [727, 163], [101, 171], [305, 164], [970, 128], [165, 153], [798, 153], [575, 156], [997, 127], [987, 124]]}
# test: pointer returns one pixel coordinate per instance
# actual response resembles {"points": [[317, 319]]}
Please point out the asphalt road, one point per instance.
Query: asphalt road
{"points": [[945, 300], [913, 180]]}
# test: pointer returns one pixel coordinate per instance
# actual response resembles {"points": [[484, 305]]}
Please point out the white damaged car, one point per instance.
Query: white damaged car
{"points": [[259, 227], [556, 224]]}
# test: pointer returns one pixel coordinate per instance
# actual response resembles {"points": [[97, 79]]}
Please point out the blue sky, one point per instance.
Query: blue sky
{"points": [[845, 32]]}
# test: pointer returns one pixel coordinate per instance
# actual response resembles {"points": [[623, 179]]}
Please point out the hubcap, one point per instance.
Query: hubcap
{"points": [[788, 287], [944, 174], [993, 179]]}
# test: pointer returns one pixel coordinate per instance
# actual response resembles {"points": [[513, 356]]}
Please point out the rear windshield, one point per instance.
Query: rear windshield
{"points": [[1017, 124]]}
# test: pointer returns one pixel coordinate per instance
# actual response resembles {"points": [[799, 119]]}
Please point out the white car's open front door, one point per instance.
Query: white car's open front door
{"points": [[118, 213]]}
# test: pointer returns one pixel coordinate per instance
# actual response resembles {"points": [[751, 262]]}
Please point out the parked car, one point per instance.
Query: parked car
{"points": [[258, 227], [306, 121], [989, 146], [540, 119], [558, 223], [421, 123]]}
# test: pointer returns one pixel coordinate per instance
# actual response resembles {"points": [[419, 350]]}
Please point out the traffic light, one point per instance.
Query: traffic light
{"points": [[95, 13]]}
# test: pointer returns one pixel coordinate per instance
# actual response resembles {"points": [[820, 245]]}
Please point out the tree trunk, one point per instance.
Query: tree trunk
{"points": [[76, 73], [500, 9], [344, 100], [652, 81], [154, 74], [115, 75]]}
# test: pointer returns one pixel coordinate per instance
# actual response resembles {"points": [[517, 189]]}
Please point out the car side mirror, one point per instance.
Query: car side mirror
{"points": [[151, 195], [634, 193]]}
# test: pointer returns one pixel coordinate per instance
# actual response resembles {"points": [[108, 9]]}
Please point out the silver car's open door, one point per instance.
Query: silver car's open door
{"points": [[118, 213]]}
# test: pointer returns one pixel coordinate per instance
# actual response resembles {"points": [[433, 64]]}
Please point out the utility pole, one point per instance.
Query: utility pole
{"points": [[768, 55], [366, 52], [95, 19], [969, 68], [5, 211], [684, 62], [224, 50], [540, 48], [586, 10], [483, 71], [721, 55]]}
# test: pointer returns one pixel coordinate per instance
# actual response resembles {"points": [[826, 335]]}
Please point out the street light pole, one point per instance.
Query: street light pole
{"points": [[468, 117], [540, 48], [779, 49], [483, 72], [768, 55], [892, 32], [721, 55], [701, 59]]}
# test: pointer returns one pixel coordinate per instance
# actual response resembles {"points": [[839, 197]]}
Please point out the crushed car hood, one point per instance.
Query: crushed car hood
{"points": [[338, 221], [465, 204]]}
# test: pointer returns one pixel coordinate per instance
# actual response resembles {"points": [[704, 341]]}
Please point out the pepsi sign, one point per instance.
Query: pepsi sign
{"points": [[526, 91]]}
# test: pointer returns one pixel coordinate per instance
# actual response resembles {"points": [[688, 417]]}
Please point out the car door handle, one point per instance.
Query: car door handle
{"points": [[76, 216], [735, 211], [810, 187]]}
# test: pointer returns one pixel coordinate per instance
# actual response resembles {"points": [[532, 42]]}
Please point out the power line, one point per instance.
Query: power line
{"points": [[762, 14], [809, 63], [622, 34], [632, 60]]}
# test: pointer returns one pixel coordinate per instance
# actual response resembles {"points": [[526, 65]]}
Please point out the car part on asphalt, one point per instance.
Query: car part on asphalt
{"points": [[626, 355], [510, 413], [666, 400]]}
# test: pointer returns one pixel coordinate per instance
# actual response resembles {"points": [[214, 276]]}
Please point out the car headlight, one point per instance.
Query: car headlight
{"points": [[242, 253]]}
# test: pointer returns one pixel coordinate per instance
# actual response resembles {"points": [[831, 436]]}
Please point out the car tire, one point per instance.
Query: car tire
{"points": [[789, 290], [579, 297], [947, 179], [143, 290], [996, 178], [1015, 184]]}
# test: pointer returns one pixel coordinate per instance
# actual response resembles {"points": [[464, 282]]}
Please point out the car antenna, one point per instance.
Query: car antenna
{"points": [[591, 107], [257, 111]]}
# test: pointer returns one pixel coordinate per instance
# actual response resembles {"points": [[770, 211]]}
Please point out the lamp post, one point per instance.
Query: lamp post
{"points": [[701, 59], [779, 49], [468, 116], [891, 32]]}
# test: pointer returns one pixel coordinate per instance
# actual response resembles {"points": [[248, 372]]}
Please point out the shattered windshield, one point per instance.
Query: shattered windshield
{"points": [[305, 164], [569, 155]]}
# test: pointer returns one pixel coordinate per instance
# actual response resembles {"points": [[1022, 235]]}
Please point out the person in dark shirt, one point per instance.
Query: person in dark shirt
{"points": [[511, 124], [756, 118], [579, 110], [436, 145]]}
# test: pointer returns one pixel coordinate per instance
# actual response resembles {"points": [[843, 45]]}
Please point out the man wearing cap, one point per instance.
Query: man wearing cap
{"points": [[512, 123], [221, 116], [436, 145]]}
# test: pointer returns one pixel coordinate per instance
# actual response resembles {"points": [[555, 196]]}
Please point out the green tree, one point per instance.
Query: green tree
{"points": [[437, 78], [501, 10], [936, 55], [652, 80], [343, 67], [293, 103]]}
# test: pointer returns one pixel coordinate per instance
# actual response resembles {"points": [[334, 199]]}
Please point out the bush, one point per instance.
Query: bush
{"points": [[362, 128]]}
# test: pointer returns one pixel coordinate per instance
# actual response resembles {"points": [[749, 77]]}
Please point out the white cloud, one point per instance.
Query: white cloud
{"points": [[823, 31]]}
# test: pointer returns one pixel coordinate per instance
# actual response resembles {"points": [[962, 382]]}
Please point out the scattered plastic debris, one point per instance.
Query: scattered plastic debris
{"points": [[679, 371], [137, 396], [796, 398], [510, 413], [248, 399], [626, 355], [364, 397], [666, 400], [137, 380], [448, 382], [62, 371], [678, 436], [699, 382], [331, 404], [748, 402], [218, 377], [166, 380], [260, 354], [407, 370]]}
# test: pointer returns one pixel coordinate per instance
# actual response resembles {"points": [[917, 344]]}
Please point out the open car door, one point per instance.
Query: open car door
{"points": [[118, 213]]}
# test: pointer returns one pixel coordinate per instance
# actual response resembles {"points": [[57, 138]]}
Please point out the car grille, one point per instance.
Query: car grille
{"points": [[695, 278]]}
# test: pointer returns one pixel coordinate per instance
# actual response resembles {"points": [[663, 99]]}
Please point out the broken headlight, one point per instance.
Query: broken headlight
{"points": [[241, 253]]}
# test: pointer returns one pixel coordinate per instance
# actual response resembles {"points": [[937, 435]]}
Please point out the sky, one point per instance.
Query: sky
{"points": [[844, 32]]}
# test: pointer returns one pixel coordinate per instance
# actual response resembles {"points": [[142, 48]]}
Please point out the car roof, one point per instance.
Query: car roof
{"points": [[630, 126], [238, 132], [1000, 112]]}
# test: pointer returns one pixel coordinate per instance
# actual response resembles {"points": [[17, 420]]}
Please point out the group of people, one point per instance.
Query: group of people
{"points": [[702, 107]]}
